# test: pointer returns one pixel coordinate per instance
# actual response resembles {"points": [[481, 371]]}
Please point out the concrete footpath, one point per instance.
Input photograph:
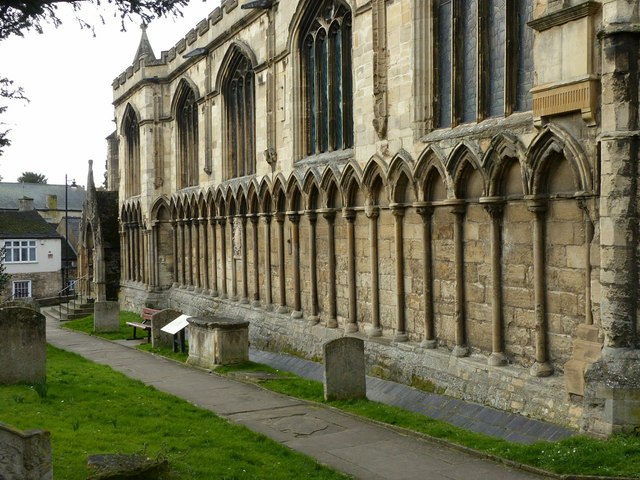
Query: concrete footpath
{"points": [[357, 447]]}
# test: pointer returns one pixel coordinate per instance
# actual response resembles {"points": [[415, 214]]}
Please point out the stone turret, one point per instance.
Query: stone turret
{"points": [[145, 51]]}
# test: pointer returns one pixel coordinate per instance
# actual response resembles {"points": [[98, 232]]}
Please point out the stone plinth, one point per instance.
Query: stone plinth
{"points": [[25, 455], [160, 339], [344, 369], [106, 316], [586, 351], [22, 346], [217, 341]]}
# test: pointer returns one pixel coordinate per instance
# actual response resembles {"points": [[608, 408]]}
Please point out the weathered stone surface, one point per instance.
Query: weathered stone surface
{"points": [[160, 339], [22, 346], [106, 316], [25, 455], [344, 369], [120, 466], [217, 341]]}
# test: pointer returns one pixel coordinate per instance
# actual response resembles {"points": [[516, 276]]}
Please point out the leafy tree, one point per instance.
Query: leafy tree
{"points": [[32, 177], [8, 91]]}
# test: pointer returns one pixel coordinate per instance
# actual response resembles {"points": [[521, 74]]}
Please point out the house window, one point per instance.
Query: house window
{"points": [[326, 71], [20, 251], [22, 289], [131, 131], [239, 96], [485, 59], [187, 119]]}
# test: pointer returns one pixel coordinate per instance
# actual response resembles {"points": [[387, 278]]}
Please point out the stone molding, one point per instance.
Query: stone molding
{"points": [[564, 15]]}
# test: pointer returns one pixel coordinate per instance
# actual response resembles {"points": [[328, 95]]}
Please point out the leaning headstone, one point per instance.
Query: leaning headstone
{"points": [[22, 346], [25, 455], [160, 339], [106, 316], [344, 369]]}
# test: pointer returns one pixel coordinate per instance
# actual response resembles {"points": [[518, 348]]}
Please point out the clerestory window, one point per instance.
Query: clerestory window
{"points": [[325, 47], [131, 131], [239, 96], [187, 120], [485, 59]]}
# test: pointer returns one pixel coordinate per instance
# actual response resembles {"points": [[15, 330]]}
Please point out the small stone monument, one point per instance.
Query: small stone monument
{"points": [[25, 455], [218, 341], [344, 369], [106, 316], [160, 339], [22, 346]]}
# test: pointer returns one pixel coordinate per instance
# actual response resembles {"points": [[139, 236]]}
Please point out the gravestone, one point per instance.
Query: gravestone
{"points": [[344, 369], [25, 455], [218, 341], [160, 339], [106, 316], [22, 346]]}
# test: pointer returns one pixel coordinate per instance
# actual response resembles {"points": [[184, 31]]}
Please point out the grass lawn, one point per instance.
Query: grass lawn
{"points": [[89, 409], [580, 455], [85, 325]]}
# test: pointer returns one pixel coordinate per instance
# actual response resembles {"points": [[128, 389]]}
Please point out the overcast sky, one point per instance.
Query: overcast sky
{"points": [[66, 74]]}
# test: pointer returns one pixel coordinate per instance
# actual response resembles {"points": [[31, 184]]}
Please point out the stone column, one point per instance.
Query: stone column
{"points": [[495, 208], [214, 257], [174, 231], [183, 254], [372, 213], [330, 217], [196, 227], [245, 262], [130, 252], [234, 278], [294, 219], [139, 253], [313, 267], [206, 284], [426, 213], [189, 253], [223, 257], [281, 270], [401, 330], [458, 209], [256, 261], [268, 297], [350, 216], [541, 367], [153, 255], [123, 255]]}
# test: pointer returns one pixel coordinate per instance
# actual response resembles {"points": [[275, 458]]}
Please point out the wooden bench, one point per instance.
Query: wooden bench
{"points": [[147, 313]]}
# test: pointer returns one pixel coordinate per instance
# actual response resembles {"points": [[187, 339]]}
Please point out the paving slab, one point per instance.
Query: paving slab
{"points": [[352, 445]]}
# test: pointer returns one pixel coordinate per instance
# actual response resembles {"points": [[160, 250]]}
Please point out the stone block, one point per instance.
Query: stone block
{"points": [[22, 346], [160, 339], [344, 369], [25, 455], [106, 316], [217, 341]]}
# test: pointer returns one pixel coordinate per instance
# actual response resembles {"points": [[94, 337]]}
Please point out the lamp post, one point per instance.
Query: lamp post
{"points": [[65, 267]]}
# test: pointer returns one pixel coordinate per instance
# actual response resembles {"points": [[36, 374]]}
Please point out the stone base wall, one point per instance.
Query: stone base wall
{"points": [[43, 285], [508, 388], [25, 455]]}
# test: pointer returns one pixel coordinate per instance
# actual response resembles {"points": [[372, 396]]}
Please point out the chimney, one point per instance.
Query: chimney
{"points": [[26, 204], [52, 202]]}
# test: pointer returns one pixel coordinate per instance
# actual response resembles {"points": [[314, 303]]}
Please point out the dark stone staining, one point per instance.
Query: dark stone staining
{"points": [[445, 52], [524, 81], [469, 61], [496, 26]]}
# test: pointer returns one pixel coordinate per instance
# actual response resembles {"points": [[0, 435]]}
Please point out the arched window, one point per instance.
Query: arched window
{"points": [[131, 132], [325, 48], [239, 97], [187, 120]]}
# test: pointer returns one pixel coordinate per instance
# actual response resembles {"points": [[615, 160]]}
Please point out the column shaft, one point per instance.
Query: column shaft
{"points": [[313, 267], [331, 321], [281, 268], [352, 324]]}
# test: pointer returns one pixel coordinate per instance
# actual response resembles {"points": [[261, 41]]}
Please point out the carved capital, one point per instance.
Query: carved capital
{"points": [[311, 215], [536, 205], [279, 217], [328, 214], [494, 206], [349, 214], [372, 211], [294, 217], [424, 210]]}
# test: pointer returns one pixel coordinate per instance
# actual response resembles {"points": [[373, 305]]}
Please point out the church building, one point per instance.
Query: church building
{"points": [[453, 181]]}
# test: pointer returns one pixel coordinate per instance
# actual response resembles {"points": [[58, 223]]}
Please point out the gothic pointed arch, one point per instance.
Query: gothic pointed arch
{"points": [[401, 185], [331, 188], [130, 130], [503, 163], [236, 82], [464, 168], [545, 156], [374, 179], [321, 38], [185, 110]]}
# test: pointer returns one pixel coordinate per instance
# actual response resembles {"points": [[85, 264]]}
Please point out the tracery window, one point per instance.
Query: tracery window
{"points": [[187, 120], [325, 46], [131, 132], [239, 95], [485, 59]]}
